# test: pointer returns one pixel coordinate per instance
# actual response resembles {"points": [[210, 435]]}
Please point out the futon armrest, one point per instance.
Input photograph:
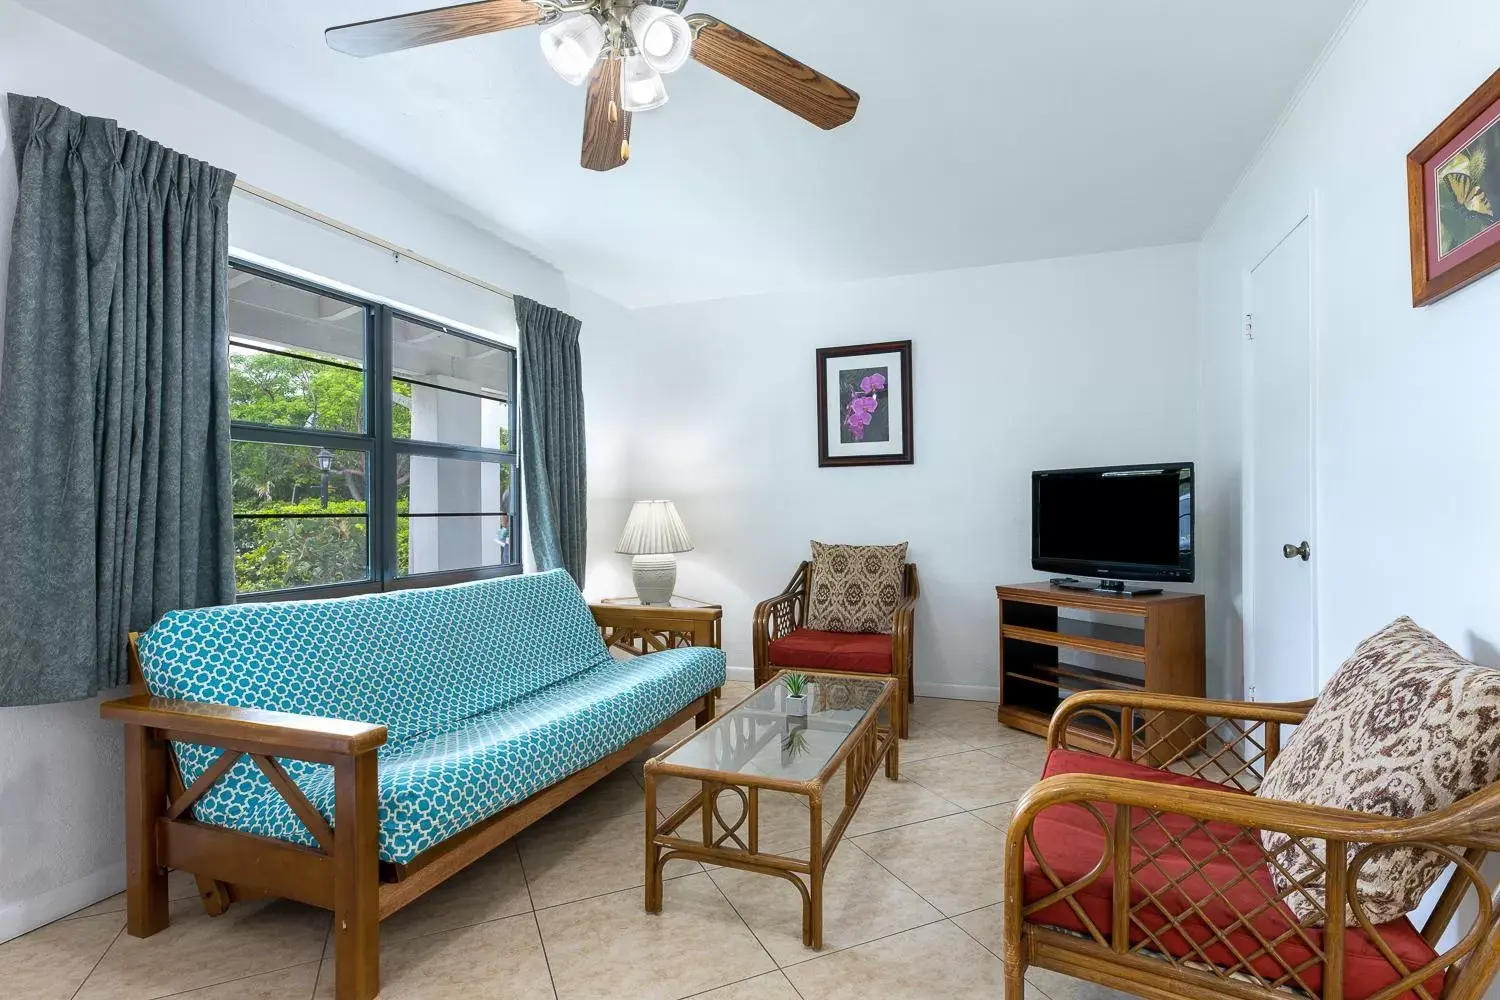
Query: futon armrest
{"points": [[280, 733]]}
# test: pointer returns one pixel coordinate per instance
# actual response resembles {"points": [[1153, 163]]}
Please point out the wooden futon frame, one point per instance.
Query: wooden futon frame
{"points": [[344, 872]]}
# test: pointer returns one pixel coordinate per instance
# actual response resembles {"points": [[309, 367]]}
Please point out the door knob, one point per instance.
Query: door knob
{"points": [[1294, 551]]}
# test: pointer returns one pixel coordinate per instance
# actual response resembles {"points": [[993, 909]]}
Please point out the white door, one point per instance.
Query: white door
{"points": [[1280, 549]]}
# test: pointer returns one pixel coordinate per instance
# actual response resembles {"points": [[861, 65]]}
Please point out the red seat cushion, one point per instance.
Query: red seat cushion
{"points": [[853, 652], [1231, 879]]}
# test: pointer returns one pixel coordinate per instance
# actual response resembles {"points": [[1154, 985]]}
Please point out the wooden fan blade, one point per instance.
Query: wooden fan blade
{"points": [[606, 125], [408, 31], [773, 75]]}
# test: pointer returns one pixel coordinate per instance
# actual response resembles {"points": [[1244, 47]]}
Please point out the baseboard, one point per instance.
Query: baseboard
{"points": [[959, 692], [54, 904], [745, 675]]}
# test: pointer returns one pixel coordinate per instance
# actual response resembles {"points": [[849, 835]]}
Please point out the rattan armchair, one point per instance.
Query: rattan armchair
{"points": [[777, 618], [1175, 898]]}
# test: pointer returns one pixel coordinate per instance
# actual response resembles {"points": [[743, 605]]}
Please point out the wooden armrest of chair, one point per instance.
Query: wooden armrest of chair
{"points": [[775, 607], [278, 733], [776, 616], [1250, 711], [1474, 822], [906, 608], [1176, 721]]}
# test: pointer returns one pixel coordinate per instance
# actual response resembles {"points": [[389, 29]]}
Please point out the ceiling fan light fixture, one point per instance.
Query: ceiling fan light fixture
{"points": [[572, 47], [664, 37], [641, 86]]}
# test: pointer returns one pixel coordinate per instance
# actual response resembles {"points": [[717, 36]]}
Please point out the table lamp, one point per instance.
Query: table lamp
{"points": [[653, 535]]}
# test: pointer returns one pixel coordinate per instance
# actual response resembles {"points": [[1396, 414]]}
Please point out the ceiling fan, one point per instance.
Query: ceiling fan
{"points": [[621, 48]]}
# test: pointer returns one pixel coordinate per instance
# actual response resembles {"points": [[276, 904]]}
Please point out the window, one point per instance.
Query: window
{"points": [[340, 488]]}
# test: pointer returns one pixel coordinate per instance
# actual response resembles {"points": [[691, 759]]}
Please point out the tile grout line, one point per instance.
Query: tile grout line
{"points": [[961, 811], [957, 809], [725, 986], [536, 922], [875, 940], [898, 878], [826, 953], [834, 951], [97, 962], [322, 957], [736, 911], [972, 937], [541, 939], [580, 899], [241, 979]]}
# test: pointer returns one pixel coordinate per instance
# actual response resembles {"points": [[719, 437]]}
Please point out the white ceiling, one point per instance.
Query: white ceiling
{"points": [[990, 130]]}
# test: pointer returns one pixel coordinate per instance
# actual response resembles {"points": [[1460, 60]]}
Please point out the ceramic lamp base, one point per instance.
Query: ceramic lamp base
{"points": [[655, 578]]}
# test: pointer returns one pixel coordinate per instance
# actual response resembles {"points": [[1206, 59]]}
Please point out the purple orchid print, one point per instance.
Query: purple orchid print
{"points": [[863, 404]]}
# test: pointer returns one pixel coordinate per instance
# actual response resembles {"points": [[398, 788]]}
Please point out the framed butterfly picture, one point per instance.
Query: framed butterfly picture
{"points": [[1453, 181], [865, 405]]}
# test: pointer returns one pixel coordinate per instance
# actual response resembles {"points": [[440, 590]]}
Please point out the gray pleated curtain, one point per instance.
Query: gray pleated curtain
{"points": [[115, 502], [553, 456]]}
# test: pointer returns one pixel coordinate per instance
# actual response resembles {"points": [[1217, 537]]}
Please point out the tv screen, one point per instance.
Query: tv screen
{"points": [[1126, 522]]}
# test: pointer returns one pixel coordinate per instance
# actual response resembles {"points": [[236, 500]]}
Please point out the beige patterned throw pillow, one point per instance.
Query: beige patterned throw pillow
{"points": [[854, 588], [1405, 727]]}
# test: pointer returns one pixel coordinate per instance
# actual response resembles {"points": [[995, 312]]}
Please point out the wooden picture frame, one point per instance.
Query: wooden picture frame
{"points": [[865, 405], [1442, 188]]}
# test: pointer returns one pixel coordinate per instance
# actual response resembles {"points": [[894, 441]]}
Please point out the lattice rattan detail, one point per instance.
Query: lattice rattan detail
{"points": [[1174, 886], [1193, 889], [1229, 752]]}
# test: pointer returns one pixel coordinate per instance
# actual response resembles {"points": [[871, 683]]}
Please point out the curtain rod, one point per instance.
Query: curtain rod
{"points": [[359, 234]]}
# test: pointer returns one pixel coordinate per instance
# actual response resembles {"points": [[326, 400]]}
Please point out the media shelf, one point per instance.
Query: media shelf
{"points": [[1048, 652]]}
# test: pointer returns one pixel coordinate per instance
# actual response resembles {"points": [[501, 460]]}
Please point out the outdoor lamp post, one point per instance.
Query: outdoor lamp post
{"points": [[325, 462]]}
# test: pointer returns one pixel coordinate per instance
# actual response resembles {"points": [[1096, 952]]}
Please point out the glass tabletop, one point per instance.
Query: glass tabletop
{"points": [[678, 601], [764, 736]]}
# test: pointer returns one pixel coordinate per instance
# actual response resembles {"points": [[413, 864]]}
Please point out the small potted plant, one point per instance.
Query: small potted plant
{"points": [[796, 693]]}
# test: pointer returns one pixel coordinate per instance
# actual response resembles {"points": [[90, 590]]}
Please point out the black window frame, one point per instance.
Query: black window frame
{"points": [[379, 441]]}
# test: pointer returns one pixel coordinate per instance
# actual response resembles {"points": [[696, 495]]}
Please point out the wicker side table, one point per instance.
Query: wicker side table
{"points": [[636, 628]]}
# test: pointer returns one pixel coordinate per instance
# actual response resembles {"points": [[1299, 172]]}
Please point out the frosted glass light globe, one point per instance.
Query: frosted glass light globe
{"points": [[572, 47]]}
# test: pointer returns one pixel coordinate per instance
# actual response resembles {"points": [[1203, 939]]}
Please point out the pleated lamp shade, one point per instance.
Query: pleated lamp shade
{"points": [[654, 528]]}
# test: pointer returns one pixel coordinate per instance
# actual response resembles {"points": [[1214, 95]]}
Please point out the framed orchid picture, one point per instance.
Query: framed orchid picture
{"points": [[865, 405]]}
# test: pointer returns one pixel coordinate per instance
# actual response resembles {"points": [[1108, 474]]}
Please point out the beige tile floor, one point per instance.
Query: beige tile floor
{"points": [[911, 908]]}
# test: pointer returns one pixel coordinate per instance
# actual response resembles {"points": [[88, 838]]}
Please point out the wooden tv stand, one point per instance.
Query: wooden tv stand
{"points": [[1046, 655]]}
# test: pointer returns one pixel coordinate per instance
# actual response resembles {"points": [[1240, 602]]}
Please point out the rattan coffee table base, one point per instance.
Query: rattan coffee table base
{"points": [[736, 844]]}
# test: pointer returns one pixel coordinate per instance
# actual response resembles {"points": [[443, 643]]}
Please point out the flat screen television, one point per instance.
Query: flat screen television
{"points": [[1128, 522]]}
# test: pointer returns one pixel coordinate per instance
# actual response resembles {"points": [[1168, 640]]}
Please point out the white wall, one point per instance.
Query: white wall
{"points": [[1408, 470], [60, 811], [614, 361], [1073, 362]]}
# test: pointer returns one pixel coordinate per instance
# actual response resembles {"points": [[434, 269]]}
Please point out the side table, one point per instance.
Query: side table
{"points": [[628, 625]]}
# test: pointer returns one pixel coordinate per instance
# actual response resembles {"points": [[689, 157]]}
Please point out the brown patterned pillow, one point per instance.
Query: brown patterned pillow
{"points": [[854, 588], [1406, 726]]}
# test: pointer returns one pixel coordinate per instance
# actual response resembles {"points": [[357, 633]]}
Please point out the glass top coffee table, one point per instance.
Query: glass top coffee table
{"points": [[769, 741]]}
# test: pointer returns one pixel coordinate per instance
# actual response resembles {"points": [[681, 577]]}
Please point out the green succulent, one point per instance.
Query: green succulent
{"points": [[796, 684]]}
